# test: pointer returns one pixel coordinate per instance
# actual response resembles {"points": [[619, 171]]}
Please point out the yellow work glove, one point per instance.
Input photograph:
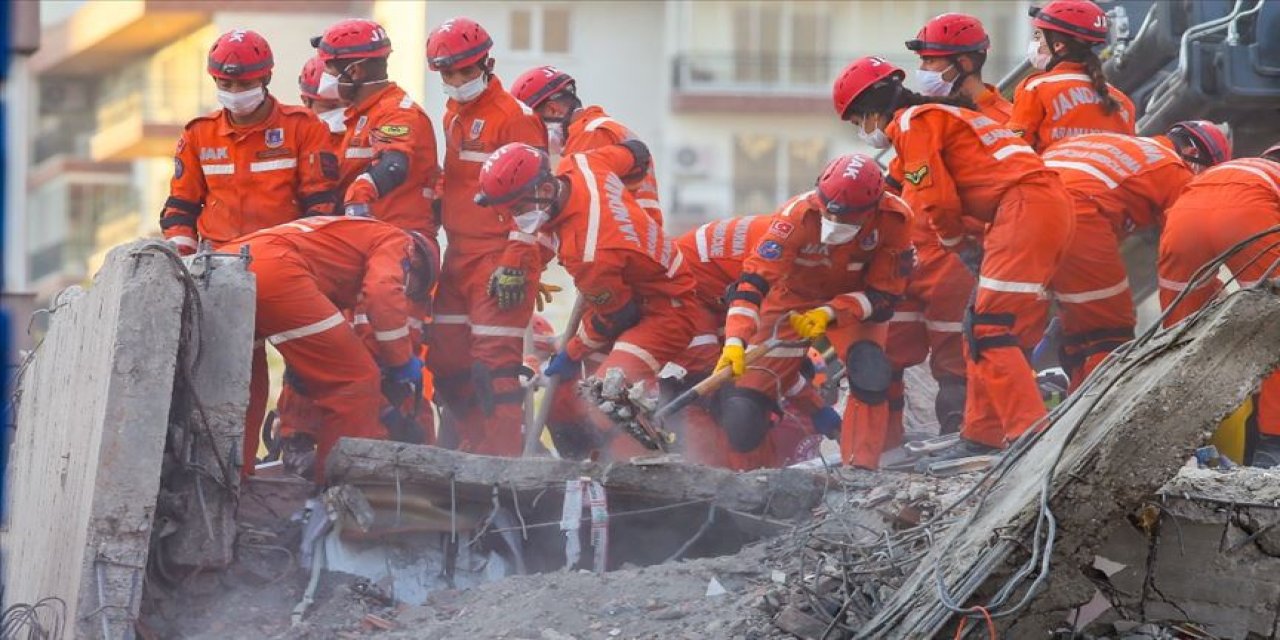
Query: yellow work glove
{"points": [[734, 358], [812, 323], [543, 298]]}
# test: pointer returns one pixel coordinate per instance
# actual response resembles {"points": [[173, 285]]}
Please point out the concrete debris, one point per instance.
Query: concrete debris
{"points": [[93, 411]]}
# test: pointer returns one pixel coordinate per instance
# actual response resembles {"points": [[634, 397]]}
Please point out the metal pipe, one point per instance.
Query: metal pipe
{"points": [[1233, 30]]}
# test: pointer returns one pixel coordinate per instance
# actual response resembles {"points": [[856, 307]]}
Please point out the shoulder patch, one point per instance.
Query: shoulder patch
{"points": [[769, 250], [178, 168], [781, 228], [918, 176], [394, 130]]}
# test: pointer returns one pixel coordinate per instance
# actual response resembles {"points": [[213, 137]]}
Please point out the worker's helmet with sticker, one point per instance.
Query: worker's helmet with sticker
{"points": [[353, 40], [1200, 142], [858, 78], [950, 34], [309, 79], [459, 42], [539, 84], [1079, 19], [240, 54], [851, 186], [512, 174]]}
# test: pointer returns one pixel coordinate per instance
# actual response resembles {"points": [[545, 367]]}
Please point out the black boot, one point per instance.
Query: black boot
{"points": [[1267, 453]]}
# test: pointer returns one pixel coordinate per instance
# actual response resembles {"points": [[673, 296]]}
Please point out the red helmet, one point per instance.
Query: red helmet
{"points": [[512, 172], [950, 34], [860, 75], [1080, 19], [309, 79], [240, 54], [1200, 141], [536, 85], [459, 42], [544, 335], [353, 39], [851, 184]]}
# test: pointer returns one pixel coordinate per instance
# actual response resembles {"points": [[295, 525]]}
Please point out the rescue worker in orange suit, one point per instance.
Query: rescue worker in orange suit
{"points": [[637, 289], [491, 267], [574, 128], [715, 253], [1220, 208], [1118, 184], [1071, 96], [927, 322], [307, 272], [388, 151], [254, 163], [331, 111], [958, 164], [837, 258]]}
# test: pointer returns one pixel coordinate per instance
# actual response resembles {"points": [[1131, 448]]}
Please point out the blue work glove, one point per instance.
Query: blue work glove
{"points": [[408, 373], [560, 365], [827, 422]]}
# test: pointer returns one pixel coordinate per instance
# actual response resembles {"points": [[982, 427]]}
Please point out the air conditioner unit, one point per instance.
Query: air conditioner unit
{"points": [[691, 161]]}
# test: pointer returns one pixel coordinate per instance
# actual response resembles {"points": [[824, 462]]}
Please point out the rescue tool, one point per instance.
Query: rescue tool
{"points": [[550, 383]]}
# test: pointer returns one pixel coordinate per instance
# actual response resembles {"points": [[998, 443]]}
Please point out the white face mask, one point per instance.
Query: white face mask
{"points": [[876, 138], [530, 221], [1038, 60], [328, 87], [335, 118], [242, 102], [555, 138], [467, 91], [932, 84], [838, 232]]}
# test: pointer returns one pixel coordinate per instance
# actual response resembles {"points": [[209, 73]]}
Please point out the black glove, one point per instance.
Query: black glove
{"points": [[507, 285]]}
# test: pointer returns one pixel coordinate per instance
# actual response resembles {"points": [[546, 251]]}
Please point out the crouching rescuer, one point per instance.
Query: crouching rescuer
{"points": [[640, 296], [837, 259], [308, 272]]}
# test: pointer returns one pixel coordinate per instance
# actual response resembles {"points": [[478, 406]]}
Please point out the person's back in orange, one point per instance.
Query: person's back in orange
{"points": [[574, 128], [1070, 96], [254, 163]]}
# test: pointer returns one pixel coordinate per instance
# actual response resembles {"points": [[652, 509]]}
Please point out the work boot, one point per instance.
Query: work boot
{"points": [[1267, 454], [298, 455], [962, 449]]}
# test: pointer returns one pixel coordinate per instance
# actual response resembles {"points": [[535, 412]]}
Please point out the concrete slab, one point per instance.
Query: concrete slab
{"points": [[85, 463]]}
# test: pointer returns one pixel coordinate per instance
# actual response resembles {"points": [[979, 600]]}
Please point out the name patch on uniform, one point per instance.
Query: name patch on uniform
{"points": [[598, 299], [781, 228], [918, 176], [274, 153], [361, 123], [275, 138], [394, 130], [477, 126], [178, 168], [213, 153], [769, 250], [870, 240]]}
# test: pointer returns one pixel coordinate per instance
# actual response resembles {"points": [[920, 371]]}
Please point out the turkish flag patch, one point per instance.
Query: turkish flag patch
{"points": [[781, 228]]}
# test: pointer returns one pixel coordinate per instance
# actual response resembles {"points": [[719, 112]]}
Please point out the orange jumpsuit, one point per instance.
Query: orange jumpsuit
{"points": [[960, 164], [792, 270], [639, 292], [476, 348], [1220, 208], [1061, 103], [307, 271], [927, 322], [390, 120], [1117, 184], [592, 128], [230, 180]]}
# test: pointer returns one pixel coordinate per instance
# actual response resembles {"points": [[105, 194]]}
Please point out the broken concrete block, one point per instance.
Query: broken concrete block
{"points": [[208, 416], [1152, 409], [86, 456]]}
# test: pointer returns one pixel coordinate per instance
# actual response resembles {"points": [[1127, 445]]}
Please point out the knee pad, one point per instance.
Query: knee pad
{"points": [[746, 416], [948, 405], [869, 371], [977, 344]]}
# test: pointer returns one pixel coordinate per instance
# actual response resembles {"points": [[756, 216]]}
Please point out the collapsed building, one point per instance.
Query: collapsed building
{"points": [[127, 515]]}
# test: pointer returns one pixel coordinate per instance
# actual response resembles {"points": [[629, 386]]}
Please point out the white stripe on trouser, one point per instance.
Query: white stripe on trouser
{"points": [[360, 318], [797, 387], [1176, 286], [308, 330], [358, 152], [790, 352], [944, 327], [906, 316], [639, 352], [1008, 286], [452, 319], [704, 340], [863, 301], [496, 331], [586, 339], [1097, 294], [393, 334], [744, 311]]}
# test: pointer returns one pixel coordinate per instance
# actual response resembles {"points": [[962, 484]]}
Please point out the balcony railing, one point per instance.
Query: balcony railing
{"points": [[60, 142], [156, 104]]}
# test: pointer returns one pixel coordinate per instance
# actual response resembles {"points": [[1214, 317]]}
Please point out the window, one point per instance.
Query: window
{"points": [[541, 29], [780, 43], [763, 177]]}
